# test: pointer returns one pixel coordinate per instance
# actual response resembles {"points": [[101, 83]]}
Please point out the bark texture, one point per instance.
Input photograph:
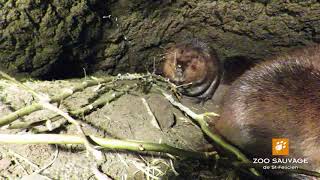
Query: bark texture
{"points": [[62, 37]]}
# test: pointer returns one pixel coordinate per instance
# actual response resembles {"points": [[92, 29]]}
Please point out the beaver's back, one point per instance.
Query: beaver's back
{"points": [[277, 99]]}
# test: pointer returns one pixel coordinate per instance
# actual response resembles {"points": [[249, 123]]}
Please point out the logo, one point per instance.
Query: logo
{"points": [[280, 146]]}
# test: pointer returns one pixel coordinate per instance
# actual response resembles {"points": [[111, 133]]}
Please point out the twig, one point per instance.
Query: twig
{"points": [[17, 156], [44, 101], [99, 175], [200, 119], [6, 76], [122, 160], [146, 170], [154, 120], [97, 154], [173, 169], [110, 143], [110, 96], [55, 156], [37, 106]]}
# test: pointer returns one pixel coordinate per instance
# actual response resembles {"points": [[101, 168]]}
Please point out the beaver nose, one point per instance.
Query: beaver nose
{"points": [[178, 79], [179, 71]]}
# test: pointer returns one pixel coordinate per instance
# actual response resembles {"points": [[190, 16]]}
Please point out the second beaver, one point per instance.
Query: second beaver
{"points": [[194, 66], [277, 99]]}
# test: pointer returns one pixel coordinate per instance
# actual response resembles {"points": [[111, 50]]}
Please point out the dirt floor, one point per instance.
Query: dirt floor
{"points": [[127, 117]]}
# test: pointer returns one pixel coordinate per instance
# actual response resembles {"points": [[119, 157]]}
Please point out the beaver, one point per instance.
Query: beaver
{"points": [[195, 66], [279, 98]]}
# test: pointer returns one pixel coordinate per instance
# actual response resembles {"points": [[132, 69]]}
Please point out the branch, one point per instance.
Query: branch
{"points": [[110, 96], [107, 98], [200, 119], [137, 146], [7, 119], [44, 102]]}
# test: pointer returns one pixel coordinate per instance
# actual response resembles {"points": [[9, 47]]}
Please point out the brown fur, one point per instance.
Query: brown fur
{"points": [[194, 65], [277, 99]]}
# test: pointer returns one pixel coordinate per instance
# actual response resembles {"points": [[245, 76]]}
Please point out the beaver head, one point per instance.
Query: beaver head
{"points": [[195, 67]]}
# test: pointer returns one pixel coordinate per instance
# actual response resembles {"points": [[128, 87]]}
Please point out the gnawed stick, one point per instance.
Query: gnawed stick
{"points": [[110, 143]]}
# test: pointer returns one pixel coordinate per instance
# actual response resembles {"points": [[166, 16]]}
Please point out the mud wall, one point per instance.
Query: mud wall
{"points": [[53, 37]]}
